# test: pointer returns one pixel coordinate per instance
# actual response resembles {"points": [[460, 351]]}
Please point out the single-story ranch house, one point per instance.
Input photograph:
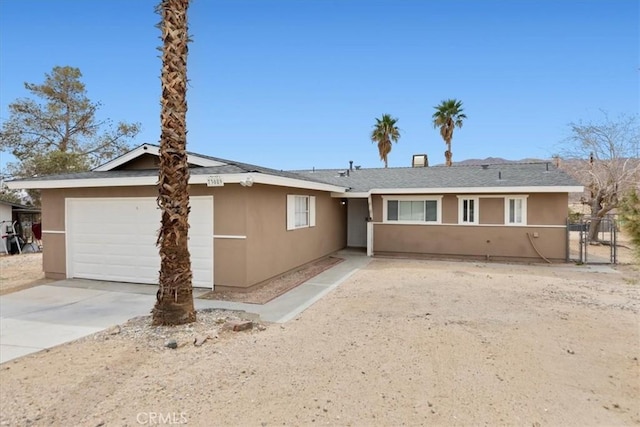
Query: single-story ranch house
{"points": [[249, 223]]}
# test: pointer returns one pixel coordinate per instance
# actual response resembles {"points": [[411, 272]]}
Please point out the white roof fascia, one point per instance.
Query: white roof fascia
{"points": [[350, 195], [130, 181], [256, 178], [262, 178], [482, 190], [152, 149]]}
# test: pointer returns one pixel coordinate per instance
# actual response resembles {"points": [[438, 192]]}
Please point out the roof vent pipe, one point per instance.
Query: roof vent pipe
{"points": [[351, 164], [499, 174], [547, 166]]}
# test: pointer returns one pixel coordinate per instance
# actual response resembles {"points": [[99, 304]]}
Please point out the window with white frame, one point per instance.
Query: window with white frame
{"points": [[468, 210], [412, 209], [301, 211], [515, 210]]}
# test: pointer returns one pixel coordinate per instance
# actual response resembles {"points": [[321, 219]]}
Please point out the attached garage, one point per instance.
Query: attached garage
{"points": [[114, 239], [103, 224]]}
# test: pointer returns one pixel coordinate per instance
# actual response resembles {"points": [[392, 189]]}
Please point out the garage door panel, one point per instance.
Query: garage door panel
{"points": [[121, 274], [115, 239]]}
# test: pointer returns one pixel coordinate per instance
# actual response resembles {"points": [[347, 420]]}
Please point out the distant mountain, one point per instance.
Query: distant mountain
{"points": [[496, 161]]}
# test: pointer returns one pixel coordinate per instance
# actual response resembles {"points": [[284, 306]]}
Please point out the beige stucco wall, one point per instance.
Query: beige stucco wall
{"points": [[548, 209], [491, 210], [272, 249], [493, 242], [251, 243], [145, 161], [546, 218]]}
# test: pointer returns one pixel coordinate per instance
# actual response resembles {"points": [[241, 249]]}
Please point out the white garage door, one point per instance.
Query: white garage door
{"points": [[115, 239]]}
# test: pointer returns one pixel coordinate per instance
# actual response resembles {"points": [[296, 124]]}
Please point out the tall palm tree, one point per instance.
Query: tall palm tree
{"points": [[385, 131], [174, 305], [448, 115]]}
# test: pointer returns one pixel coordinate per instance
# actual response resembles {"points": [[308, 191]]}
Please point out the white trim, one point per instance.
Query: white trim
{"points": [[507, 199], [476, 210], [228, 236], [85, 182], [53, 231], [151, 180], [414, 198], [261, 178], [349, 195], [312, 211], [447, 224], [370, 226], [479, 190], [291, 211], [194, 159]]}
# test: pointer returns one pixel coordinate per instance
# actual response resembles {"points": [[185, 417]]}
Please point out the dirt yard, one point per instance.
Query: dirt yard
{"points": [[399, 343], [20, 272]]}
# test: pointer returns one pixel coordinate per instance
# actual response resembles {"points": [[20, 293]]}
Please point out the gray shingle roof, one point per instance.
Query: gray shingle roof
{"points": [[231, 167], [501, 175], [364, 180]]}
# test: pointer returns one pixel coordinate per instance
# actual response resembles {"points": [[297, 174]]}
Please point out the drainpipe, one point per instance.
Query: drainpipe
{"points": [[370, 227]]}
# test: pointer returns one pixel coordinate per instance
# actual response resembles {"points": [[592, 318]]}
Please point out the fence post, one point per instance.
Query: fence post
{"points": [[567, 256]]}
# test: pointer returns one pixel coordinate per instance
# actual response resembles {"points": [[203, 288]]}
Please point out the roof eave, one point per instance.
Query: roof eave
{"points": [[257, 178], [482, 190]]}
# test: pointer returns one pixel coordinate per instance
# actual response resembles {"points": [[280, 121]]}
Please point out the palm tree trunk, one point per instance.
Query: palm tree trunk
{"points": [[174, 305], [448, 154]]}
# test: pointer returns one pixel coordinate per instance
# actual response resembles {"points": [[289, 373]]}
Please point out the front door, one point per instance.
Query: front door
{"points": [[357, 213]]}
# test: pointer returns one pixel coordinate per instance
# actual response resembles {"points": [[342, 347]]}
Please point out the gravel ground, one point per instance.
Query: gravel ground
{"points": [[399, 343]]}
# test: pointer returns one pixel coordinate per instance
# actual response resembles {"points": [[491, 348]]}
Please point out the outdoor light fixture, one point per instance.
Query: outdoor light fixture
{"points": [[247, 182]]}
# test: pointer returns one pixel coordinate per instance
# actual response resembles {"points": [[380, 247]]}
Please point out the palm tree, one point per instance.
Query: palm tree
{"points": [[174, 305], [385, 131], [448, 115]]}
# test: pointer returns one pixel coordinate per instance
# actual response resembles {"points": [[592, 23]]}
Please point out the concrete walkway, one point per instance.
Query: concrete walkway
{"points": [[48, 315]]}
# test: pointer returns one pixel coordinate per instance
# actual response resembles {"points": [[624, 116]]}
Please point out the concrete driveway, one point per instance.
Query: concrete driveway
{"points": [[48, 315]]}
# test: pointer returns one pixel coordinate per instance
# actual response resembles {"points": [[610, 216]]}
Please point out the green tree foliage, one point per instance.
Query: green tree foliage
{"points": [[448, 116], [630, 218], [384, 132], [56, 130], [10, 196]]}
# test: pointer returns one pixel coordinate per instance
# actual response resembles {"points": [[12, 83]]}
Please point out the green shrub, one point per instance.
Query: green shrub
{"points": [[630, 219], [574, 217]]}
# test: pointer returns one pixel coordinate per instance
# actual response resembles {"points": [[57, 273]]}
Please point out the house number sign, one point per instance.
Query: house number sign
{"points": [[215, 181]]}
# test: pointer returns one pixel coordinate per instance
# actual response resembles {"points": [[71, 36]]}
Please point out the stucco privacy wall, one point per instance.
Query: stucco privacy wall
{"points": [[546, 219], [251, 242]]}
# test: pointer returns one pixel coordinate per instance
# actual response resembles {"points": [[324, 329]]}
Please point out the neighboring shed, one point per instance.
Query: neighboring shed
{"points": [[18, 216]]}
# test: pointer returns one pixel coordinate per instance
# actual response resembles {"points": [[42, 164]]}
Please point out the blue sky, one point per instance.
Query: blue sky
{"points": [[293, 84]]}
